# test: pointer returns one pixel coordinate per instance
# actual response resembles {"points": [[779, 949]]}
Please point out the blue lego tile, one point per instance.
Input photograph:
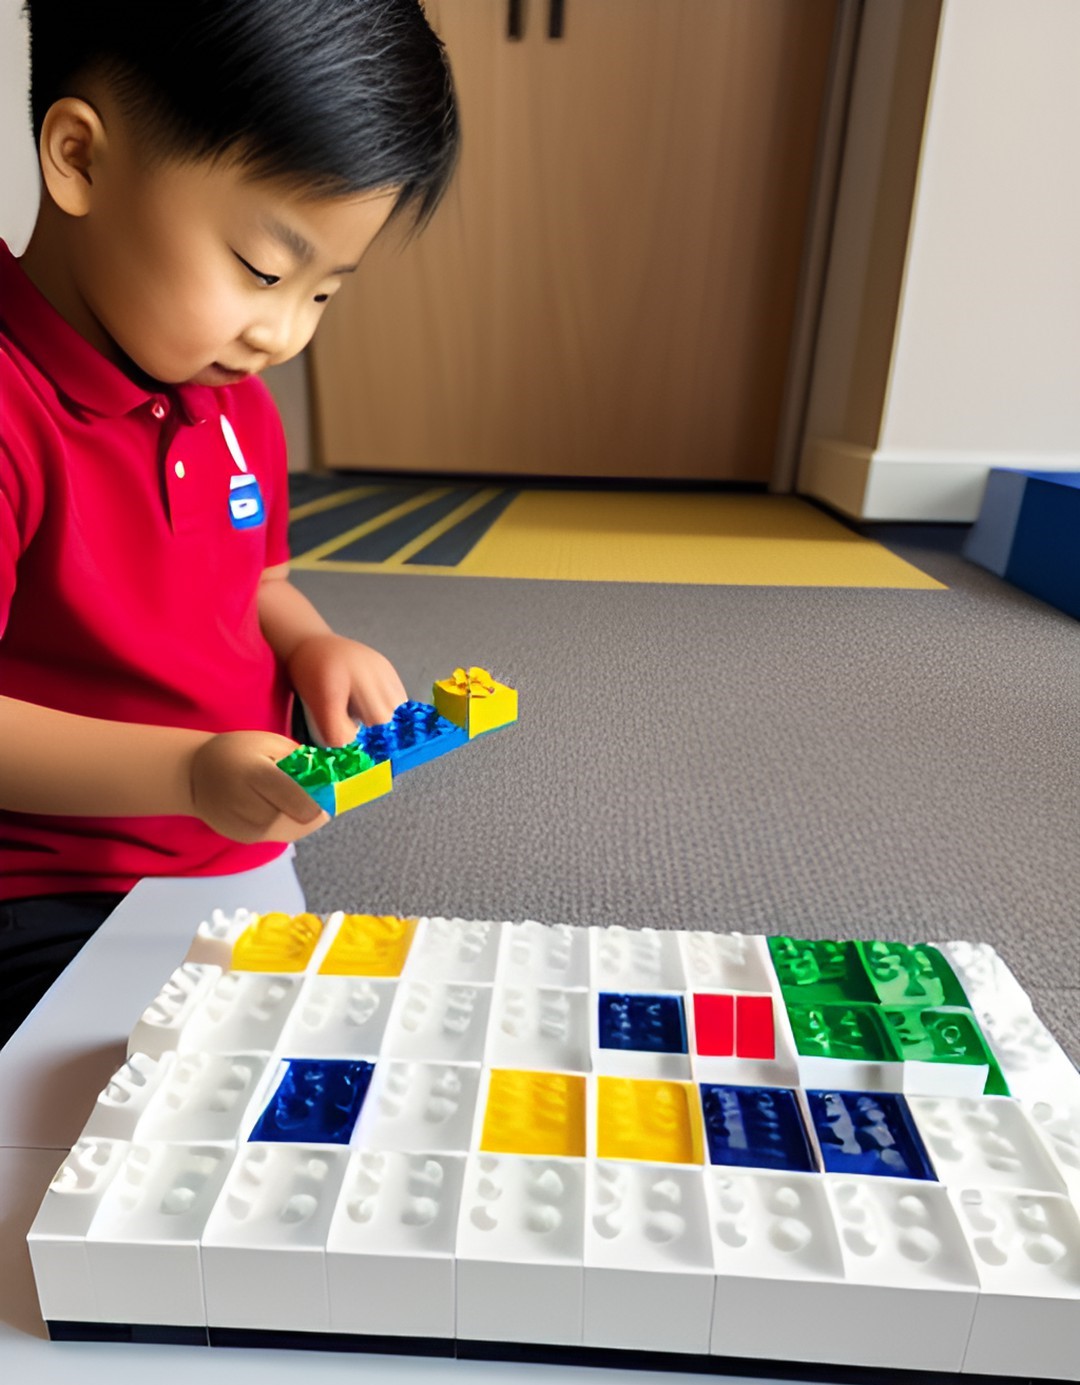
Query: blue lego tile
{"points": [[649, 1023], [416, 735], [1026, 532], [869, 1132], [316, 1102], [756, 1128]]}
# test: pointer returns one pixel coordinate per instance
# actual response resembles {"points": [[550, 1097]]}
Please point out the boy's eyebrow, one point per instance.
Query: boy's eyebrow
{"points": [[300, 246]]}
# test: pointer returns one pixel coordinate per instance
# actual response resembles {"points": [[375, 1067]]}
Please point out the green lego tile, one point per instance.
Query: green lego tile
{"points": [[905, 974], [853, 1033], [820, 972], [936, 1035]]}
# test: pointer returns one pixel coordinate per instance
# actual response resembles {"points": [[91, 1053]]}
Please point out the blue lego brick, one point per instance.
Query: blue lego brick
{"points": [[1028, 531], [416, 735], [316, 1102], [649, 1023], [756, 1128], [869, 1132]]}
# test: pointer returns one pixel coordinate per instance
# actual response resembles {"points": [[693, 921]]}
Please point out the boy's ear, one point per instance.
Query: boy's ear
{"points": [[72, 144]]}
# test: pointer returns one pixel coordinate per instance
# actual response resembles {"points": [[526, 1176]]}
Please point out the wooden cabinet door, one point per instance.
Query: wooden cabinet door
{"points": [[608, 289]]}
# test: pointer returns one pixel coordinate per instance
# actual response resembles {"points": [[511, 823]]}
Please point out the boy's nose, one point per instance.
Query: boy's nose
{"points": [[270, 338]]}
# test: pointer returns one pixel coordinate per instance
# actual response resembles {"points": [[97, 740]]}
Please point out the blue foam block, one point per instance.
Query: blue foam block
{"points": [[646, 1023], [755, 1127], [1028, 531], [868, 1132]]}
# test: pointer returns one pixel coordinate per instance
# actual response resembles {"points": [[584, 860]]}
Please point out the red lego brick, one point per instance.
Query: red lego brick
{"points": [[714, 1023], [754, 1033]]}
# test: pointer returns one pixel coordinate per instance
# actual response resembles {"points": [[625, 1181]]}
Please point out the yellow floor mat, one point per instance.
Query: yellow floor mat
{"points": [[619, 536]]}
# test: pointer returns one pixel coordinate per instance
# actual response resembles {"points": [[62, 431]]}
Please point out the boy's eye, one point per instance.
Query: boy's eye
{"points": [[268, 279]]}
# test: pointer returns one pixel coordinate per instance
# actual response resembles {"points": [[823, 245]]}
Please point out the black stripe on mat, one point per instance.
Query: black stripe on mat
{"points": [[449, 548], [384, 542], [312, 530]]}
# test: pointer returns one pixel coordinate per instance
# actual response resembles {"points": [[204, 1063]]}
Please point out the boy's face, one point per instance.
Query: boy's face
{"points": [[198, 273]]}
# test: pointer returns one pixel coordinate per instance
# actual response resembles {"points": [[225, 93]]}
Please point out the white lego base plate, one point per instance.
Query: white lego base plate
{"points": [[405, 1202]]}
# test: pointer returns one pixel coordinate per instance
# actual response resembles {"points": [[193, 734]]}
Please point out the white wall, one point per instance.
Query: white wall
{"points": [[20, 193], [985, 357], [18, 160]]}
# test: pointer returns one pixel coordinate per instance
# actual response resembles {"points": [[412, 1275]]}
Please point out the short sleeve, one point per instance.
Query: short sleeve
{"points": [[22, 490]]}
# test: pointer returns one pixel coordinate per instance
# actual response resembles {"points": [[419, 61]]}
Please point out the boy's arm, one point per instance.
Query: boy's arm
{"points": [[339, 680], [59, 763]]}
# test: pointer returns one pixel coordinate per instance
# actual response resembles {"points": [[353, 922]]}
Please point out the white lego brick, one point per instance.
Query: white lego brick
{"points": [[143, 1244], [911, 1281], [460, 950], [987, 981], [1027, 1252], [57, 1238], [624, 1010], [264, 1246], [782, 1070], [726, 962], [338, 1017], [777, 1260], [520, 1247], [207, 1098], [541, 954], [121, 1104], [390, 1247], [438, 1022], [635, 959], [649, 1278], [1033, 1063], [418, 1107], [216, 936], [161, 1024], [1058, 1126], [539, 1027], [984, 1141], [243, 1012]]}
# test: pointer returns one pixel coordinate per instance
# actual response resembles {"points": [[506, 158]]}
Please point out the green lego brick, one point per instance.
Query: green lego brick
{"points": [[852, 1033], [936, 1035], [905, 974], [820, 972]]}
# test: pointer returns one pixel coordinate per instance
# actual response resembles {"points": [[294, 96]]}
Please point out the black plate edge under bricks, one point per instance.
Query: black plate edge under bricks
{"points": [[332, 1341], [144, 1333], [533, 1353]]}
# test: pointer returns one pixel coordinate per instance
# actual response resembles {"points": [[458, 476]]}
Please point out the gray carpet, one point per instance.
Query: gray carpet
{"points": [[822, 762]]}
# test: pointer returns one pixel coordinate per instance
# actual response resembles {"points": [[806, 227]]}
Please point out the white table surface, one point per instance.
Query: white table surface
{"points": [[51, 1072]]}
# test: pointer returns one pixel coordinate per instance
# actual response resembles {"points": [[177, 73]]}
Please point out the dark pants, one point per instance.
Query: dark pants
{"points": [[38, 938]]}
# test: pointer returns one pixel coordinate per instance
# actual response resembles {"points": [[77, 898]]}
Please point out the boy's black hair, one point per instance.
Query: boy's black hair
{"points": [[334, 96]]}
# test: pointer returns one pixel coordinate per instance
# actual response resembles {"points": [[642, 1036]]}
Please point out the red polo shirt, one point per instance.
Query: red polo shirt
{"points": [[134, 528]]}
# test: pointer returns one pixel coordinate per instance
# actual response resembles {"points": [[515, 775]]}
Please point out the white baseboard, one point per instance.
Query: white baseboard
{"points": [[890, 485]]}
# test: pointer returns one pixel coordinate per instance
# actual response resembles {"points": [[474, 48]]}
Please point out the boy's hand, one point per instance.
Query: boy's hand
{"points": [[238, 790], [341, 682]]}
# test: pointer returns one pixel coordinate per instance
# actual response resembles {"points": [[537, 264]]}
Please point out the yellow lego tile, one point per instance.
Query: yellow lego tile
{"points": [[277, 942], [534, 1113], [362, 788], [473, 700], [369, 945], [657, 1121]]}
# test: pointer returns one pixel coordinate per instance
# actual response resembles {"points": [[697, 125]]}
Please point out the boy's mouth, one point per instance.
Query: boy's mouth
{"points": [[226, 376]]}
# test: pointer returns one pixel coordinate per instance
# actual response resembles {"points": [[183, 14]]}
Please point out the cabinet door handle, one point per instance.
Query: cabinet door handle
{"points": [[556, 18], [515, 20]]}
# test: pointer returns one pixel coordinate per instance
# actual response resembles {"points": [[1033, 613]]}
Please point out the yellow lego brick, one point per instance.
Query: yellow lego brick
{"points": [[473, 700], [535, 1113], [277, 942], [369, 945], [657, 1121], [362, 788]]}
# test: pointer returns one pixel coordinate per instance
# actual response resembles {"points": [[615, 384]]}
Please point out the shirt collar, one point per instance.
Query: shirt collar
{"points": [[83, 376]]}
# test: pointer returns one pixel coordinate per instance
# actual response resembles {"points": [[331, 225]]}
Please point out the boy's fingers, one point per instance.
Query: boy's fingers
{"points": [[283, 793]]}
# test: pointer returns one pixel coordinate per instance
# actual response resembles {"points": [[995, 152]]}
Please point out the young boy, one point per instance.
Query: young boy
{"points": [[211, 171]]}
